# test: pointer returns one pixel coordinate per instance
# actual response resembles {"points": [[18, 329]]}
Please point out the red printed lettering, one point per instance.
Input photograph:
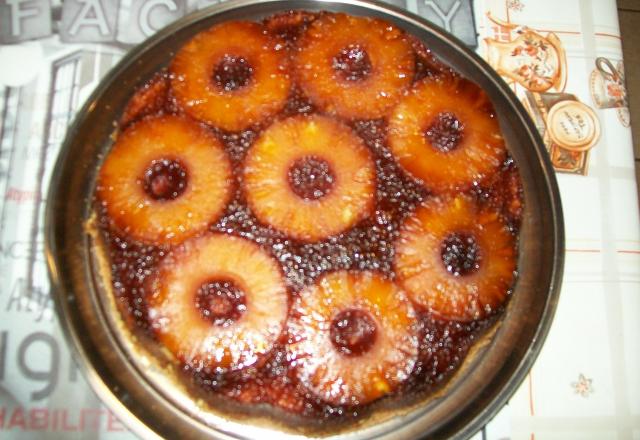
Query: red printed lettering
{"points": [[39, 419], [86, 420], [65, 423], [20, 196], [113, 424], [17, 420], [90, 419]]}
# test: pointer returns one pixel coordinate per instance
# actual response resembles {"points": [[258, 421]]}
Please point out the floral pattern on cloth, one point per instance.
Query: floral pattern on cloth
{"points": [[584, 386], [515, 5]]}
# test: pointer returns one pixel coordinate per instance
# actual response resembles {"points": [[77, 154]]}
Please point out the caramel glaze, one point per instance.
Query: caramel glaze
{"points": [[367, 246]]}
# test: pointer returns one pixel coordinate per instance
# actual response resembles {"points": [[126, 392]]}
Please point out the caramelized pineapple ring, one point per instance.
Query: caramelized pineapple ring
{"points": [[231, 76], [444, 132], [310, 177], [353, 337], [150, 99], [355, 67], [165, 179], [456, 260], [218, 303]]}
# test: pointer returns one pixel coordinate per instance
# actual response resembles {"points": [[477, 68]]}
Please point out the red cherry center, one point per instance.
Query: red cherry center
{"points": [[445, 132], [220, 302], [232, 73], [311, 178], [460, 254], [353, 332], [352, 63], [165, 179]]}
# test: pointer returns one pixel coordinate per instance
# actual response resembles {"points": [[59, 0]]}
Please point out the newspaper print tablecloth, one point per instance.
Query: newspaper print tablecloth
{"points": [[585, 382]]}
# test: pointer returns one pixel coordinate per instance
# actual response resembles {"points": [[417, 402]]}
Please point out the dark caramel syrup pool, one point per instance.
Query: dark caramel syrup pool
{"points": [[368, 245]]}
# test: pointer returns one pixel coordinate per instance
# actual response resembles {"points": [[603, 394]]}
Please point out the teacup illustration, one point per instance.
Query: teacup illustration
{"points": [[607, 84]]}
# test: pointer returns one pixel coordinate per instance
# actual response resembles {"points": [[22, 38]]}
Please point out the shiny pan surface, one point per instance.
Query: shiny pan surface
{"points": [[472, 396]]}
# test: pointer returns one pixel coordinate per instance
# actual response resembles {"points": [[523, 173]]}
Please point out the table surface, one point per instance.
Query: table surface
{"points": [[584, 383], [629, 17]]}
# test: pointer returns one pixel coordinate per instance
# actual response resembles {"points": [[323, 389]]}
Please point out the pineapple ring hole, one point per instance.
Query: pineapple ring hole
{"points": [[445, 132], [220, 302], [352, 63], [165, 179], [232, 73], [460, 254], [311, 177], [353, 332]]}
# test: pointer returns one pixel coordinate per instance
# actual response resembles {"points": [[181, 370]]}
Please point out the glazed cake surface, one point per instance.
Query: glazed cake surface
{"points": [[307, 222]]}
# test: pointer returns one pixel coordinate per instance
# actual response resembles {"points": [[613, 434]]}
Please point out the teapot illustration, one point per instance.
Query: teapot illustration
{"points": [[536, 62]]}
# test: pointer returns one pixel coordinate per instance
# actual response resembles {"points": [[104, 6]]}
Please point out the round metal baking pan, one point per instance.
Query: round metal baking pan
{"points": [[469, 400]]}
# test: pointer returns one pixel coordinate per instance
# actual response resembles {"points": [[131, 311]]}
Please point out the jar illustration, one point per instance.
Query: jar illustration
{"points": [[573, 125], [536, 62], [569, 128]]}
